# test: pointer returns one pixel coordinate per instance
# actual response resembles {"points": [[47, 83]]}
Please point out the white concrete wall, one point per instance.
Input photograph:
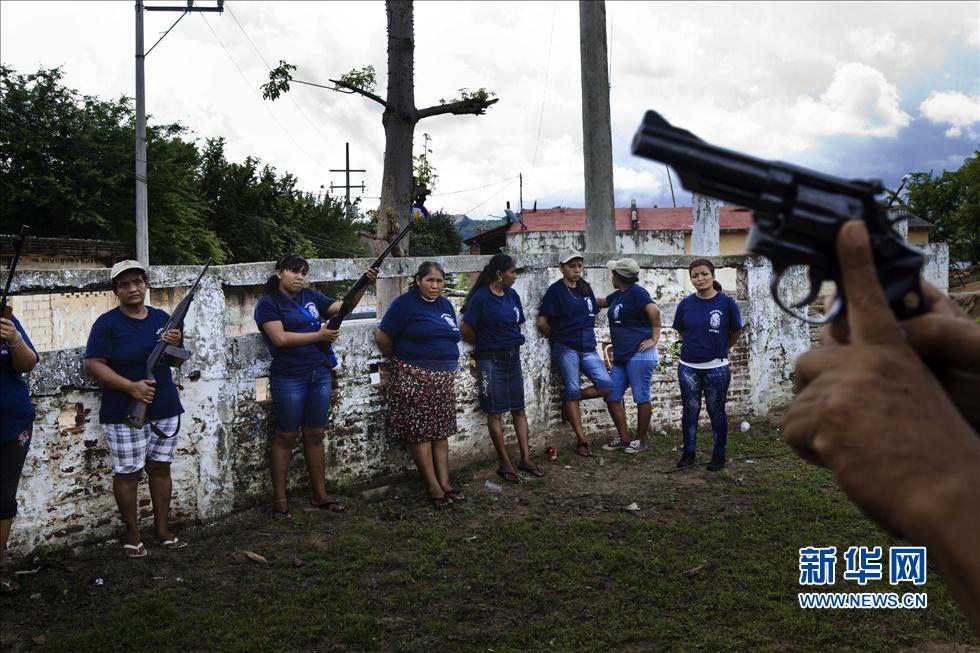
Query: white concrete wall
{"points": [[221, 464]]}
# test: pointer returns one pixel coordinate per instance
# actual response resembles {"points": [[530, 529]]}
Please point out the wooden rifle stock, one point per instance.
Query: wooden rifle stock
{"points": [[136, 416]]}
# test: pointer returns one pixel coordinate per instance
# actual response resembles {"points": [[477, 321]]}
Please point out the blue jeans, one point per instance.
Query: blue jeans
{"points": [[714, 384], [501, 381], [301, 399], [572, 363], [636, 373]]}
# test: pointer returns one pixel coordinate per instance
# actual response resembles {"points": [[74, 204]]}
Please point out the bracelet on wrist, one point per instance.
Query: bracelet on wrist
{"points": [[15, 345]]}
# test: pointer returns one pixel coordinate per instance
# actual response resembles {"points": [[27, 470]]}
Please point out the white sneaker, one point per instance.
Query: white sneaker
{"points": [[635, 447]]}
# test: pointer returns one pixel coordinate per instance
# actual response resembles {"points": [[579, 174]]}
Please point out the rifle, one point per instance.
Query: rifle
{"points": [[347, 304], [7, 311], [796, 214], [136, 416]]}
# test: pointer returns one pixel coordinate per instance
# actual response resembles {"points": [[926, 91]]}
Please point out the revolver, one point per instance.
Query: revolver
{"points": [[796, 214]]}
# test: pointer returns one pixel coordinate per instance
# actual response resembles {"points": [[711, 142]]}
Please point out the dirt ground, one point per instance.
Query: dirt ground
{"points": [[368, 552]]}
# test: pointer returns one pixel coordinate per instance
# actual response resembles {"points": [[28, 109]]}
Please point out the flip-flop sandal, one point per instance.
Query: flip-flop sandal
{"points": [[510, 477], [138, 550], [8, 586], [331, 505], [441, 503], [455, 495], [583, 445], [174, 544], [281, 515], [533, 471]]}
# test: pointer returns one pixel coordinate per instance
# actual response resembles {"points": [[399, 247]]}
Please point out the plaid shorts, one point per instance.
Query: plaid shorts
{"points": [[130, 447]]}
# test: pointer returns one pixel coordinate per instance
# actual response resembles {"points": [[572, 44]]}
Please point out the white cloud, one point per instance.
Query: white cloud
{"points": [[859, 102], [956, 109]]}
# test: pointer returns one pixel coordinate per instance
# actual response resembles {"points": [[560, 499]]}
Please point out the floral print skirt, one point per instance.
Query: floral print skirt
{"points": [[421, 403]]}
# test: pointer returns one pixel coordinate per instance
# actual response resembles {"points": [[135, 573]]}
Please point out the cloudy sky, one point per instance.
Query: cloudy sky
{"points": [[853, 89]]}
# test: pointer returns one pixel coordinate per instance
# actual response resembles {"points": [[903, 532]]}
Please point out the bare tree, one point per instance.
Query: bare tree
{"points": [[399, 120]]}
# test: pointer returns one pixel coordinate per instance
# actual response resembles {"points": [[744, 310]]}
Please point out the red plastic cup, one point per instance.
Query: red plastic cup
{"points": [[551, 453]]}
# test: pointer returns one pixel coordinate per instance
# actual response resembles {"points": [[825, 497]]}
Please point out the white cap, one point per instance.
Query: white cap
{"points": [[122, 266], [568, 255], [627, 267]]}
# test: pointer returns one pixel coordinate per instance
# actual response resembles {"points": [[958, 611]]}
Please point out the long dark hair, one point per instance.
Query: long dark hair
{"points": [[582, 286], [423, 272], [291, 262], [703, 262], [498, 263]]}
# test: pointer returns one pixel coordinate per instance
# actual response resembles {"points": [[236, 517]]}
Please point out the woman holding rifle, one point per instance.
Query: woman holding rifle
{"points": [[118, 346], [17, 358], [289, 317]]}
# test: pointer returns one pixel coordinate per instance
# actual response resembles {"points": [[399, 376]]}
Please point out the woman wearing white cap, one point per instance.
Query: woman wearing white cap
{"points": [[634, 328], [567, 317], [118, 345]]}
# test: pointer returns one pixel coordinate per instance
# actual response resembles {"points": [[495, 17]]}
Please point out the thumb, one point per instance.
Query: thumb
{"points": [[869, 316]]}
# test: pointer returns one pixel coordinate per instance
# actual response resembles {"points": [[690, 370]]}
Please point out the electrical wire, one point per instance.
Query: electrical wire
{"points": [[544, 90], [488, 199], [147, 53]]}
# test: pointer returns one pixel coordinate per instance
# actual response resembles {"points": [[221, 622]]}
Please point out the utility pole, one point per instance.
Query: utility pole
{"points": [[520, 177], [346, 170], [600, 221], [142, 223]]}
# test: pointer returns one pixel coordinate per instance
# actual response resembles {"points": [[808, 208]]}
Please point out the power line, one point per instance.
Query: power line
{"points": [[264, 106], [489, 198], [266, 63], [466, 190], [544, 90]]}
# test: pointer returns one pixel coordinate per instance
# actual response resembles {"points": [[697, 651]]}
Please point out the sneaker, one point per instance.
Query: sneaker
{"points": [[686, 460], [635, 447], [615, 445], [717, 463]]}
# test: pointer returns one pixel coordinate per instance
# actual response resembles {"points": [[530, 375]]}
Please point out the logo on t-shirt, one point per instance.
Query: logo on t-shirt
{"points": [[450, 320], [311, 307], [517, 315], [616, 311], [714, 321], [588, 302]]}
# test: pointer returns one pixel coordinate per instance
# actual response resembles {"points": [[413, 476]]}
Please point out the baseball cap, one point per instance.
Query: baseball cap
{"points": [[627, 267], [568, 255], [122, 266]]}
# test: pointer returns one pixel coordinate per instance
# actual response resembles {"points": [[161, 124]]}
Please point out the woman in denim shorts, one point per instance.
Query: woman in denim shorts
{"points": [[17, 358], [567, 317], [634, 327], [289, 316], [492, 319]]}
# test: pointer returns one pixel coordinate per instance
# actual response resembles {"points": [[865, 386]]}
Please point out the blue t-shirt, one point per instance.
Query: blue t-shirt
{"points": [[705, 325], [125, 343], [16, 409], [629, 324], [425, 333], [570, 316], [496, 320], [300, 314]]}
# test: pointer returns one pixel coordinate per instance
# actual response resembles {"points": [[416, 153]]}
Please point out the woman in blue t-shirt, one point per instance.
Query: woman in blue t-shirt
{"points": [[420, 335], [566, 316], [292, 319], [708, 323], [492, 319], [118, 346], [17, 358], [634, 328]]}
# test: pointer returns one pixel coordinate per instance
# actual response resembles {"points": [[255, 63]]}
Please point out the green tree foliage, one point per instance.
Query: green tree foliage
{"points": [[435, 236], [66, 169], [952, 202]]}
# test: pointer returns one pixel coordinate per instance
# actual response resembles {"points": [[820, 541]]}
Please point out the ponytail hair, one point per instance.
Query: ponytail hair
{"points": [[498, 263], [291, 262], [423, 271], [703, 262], [582, 286]]}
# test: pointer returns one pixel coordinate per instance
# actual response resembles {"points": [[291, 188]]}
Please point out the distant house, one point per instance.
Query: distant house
{"points": [[657, 231]]}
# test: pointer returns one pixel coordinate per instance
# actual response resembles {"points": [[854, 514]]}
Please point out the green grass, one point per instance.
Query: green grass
{"points": [[484, 576]]}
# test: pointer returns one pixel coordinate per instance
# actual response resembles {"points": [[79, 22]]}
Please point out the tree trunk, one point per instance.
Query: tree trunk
{"points": [[399, 120]]}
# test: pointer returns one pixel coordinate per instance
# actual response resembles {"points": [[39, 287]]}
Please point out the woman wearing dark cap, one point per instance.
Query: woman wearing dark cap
{"points": [[289, 316], [708, 323], [17, 358], [420, 335], [492, 319], [634, 328], [567, 317]]}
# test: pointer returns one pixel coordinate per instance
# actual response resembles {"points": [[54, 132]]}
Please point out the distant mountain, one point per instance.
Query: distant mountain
{"points": [[467, 228]]}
